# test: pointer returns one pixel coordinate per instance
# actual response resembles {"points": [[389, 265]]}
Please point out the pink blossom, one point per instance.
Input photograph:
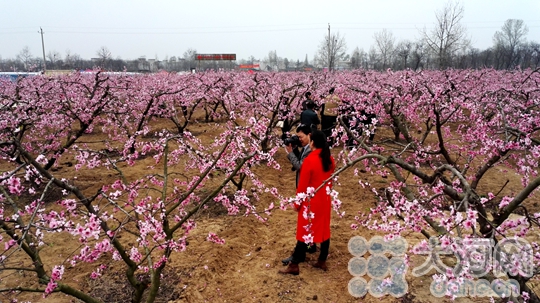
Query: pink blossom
{"points": [[212, 237], [308, 239], [51, 286]]}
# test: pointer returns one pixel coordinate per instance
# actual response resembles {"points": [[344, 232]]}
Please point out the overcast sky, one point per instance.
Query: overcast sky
{"points": [[293, 28]]}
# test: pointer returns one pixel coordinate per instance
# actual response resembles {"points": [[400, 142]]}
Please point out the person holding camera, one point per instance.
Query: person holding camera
{"points": [[317, 168], [300, 140]]}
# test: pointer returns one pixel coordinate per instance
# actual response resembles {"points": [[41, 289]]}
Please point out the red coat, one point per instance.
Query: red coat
{"points": [[312, 175]]}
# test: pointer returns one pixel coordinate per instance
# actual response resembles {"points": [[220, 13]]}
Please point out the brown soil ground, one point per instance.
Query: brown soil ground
{"points": [[245, 268]]}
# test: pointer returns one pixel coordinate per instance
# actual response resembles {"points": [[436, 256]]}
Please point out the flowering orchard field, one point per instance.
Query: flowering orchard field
{"points": [[448, 131]]}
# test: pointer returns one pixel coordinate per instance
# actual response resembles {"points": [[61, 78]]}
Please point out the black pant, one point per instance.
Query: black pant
{"points": [[299, 254], [328, 123]]}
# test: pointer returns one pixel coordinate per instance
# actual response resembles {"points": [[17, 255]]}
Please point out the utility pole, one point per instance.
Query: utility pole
{"points": [[328, 31], [43, 47], [275, 60], [329, 50]]}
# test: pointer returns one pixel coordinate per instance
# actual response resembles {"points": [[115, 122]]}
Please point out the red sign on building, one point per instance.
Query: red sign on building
{"points": [[215, 57], [249, 66]]}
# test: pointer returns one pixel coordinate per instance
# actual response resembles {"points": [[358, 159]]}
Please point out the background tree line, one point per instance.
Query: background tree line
{"points": [[445, 45]]}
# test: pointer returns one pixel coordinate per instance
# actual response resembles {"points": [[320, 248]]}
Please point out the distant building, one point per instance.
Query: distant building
{"points": [[147, 66], [343, 65]]}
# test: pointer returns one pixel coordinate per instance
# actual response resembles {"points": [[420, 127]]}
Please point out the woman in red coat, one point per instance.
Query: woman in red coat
{"points": [[313, 224]]}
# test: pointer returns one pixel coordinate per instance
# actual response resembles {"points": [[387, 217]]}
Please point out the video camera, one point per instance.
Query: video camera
{"points": [[292, 140]]}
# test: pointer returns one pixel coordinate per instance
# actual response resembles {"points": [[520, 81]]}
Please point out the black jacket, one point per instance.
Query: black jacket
{"points": [[309, 117]]}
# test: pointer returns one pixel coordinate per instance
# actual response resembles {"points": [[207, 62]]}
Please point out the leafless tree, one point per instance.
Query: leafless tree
{"points": [[384, 45], [189, 54], [509, 39], [331, 50], [286, 63], [418, 55], [486, 58], [104, 55], [473, 58], [532, 56], [358, 58], [25, 57], [53, 57], [272, 60], [72, 60], [373, 59], [403, 53], [448, 36], [189, 58]]}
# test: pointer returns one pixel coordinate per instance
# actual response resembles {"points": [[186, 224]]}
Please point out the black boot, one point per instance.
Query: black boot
{"points": [[286, 261]]}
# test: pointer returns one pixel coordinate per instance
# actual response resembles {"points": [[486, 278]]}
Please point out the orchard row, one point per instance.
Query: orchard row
{"points": [[448, 129]]}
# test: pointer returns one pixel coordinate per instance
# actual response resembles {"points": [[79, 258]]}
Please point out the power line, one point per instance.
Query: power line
{"points": [[409, 23], [187, 32], [188, 28], [416, 28], [263, 25]]}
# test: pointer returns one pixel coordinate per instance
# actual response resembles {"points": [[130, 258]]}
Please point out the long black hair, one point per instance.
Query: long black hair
{"points": [[319, 141]]}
